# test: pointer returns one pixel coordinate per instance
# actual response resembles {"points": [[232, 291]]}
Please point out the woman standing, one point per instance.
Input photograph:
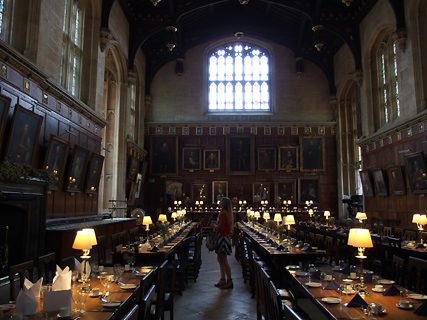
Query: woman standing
{"points": [[223, 249]]}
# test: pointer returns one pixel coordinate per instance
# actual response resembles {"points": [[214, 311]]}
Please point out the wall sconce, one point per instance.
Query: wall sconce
{"points": [[361, 239], [347, 2], [244, 2], [155, 2]]}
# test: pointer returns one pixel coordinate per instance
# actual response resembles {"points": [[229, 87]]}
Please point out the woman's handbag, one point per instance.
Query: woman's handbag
{"points": [[211, 240]]}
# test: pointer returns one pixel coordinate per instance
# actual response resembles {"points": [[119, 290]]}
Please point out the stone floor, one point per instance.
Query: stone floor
{"points": [[202, 301]]}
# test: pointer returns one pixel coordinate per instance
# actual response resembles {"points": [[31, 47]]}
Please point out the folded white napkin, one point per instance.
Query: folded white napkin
{"points": [[80, 266], [36, 288], [62, 279], [26, 302]]}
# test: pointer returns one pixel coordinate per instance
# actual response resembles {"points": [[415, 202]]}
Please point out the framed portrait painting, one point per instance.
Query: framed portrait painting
{"points": [[174, 190], [191, 159], [308, 190], [77, 169], [199, 192], [366, 184], [395, 178], [4, 111], [24, 136], [94, 173], [211, 159], [260, 192], [266, 159], [55, 160], [312, 152], [240, 155], [164, 155], [219, 190], [416, 172], [379, 182], [285, 190], [288, 158]]}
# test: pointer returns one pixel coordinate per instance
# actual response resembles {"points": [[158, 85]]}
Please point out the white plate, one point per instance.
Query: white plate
{"points": [[5, 307], [349, 291], [384, 281], [112, 304], [417, 296], [331, 300], [401, 307], [63, 317], [128, 286], [301, 273], [94, 295], [313, 284], [379, 291]]}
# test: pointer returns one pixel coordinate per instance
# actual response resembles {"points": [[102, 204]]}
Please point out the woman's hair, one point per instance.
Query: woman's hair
{"points": [[227, 208]]}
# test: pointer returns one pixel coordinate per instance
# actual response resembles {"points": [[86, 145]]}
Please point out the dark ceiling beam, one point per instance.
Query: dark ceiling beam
{"points": [[106, 10], [138, 40], [293, 6], [197, 6], [399, 12]]}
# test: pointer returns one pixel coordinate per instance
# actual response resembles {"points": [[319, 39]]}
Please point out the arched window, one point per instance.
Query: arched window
{"points": [[72, 47], [387, 80], [239, 79]]}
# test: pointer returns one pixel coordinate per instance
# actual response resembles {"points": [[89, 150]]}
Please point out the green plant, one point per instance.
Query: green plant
{"points": [[164, 228], [14, 172]]}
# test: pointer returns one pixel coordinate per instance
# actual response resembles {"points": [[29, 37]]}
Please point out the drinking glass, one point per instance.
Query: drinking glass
{"points": [[76, 299], [131, 260], [105, 281], [74, 277], [83, 298]]}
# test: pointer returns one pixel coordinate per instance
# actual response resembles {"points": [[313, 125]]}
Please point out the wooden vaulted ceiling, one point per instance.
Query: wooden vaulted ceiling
{"points": [[284, 22]]}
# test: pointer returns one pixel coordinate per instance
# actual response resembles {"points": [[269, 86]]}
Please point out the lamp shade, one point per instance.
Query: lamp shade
{"points": [[173, 216], [310, 212], [416, 218], [360, 238], [257, 215], [423, 219], [277, 217], [266, 215], [92, 236], [147, 221], [361, 216], [290, 219], [327, 214], [82, 241], [163, 218]]}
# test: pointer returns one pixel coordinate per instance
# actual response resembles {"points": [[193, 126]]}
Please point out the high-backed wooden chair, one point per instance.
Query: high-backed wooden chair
{"points": [[395, 247], [170, 294], [183, 264], [161, 290], [417, 275], [103, 258], [133, 235], [388, 231], [274, 303], [46, 267], [398, 269], [147, 281], [195, 257], [376, 256], [261, 277], [119, 238], [410, 235], [127, 306], [146, 308], [24, 270], [132, 314], [398, 232]]}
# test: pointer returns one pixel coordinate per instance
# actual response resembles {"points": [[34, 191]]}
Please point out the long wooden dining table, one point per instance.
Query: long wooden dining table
{"points": [[334, 306], [95, 308]]}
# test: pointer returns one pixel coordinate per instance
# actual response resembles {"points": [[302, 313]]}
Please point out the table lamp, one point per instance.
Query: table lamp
{"points": [[361, 216], [420, 220], [163, 218], [277, 218], [361, 239], [83, 242], [327, 214], [310, 213], [173, 216], [146, 222], [266, 215], [289, 219]]}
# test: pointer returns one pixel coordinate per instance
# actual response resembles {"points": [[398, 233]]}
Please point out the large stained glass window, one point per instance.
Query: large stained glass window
{"points": [[388, 80], [239, 79]]}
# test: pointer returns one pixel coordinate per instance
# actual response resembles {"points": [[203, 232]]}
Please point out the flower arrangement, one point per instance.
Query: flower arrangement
{"points": [[164, 228], [280, 231]]}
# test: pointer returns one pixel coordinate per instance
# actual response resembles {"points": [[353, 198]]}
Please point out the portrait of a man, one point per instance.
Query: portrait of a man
{"points": [[312, 157], [163, 155], [416, 170], [240, 155], [191, 158], [56, 155], [212, 160], [288, 158], [77, 169]]}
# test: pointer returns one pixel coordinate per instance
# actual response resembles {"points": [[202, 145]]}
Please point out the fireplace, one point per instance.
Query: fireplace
{"points": [[22, 209]]}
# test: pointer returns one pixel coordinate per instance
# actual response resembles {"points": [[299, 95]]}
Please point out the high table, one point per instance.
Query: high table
{"points": [[340, 311]]}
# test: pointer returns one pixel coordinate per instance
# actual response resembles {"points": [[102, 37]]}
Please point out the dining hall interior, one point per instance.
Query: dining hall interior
{"points": [[127, 121]]}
